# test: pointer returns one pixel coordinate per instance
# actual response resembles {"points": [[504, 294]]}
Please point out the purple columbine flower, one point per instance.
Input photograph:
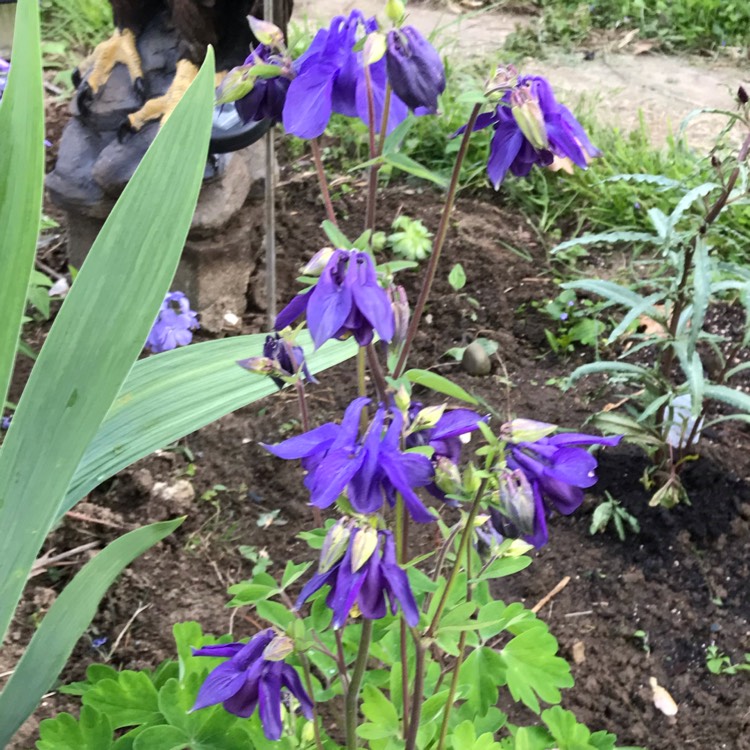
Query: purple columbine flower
{"points": [[266, 99], [445, 437], [281, 360], [415, 70], [370, 469], [346, 300], [254, 676], [331, 78], [558, 470], [366, 575], [174, 325], [5, 422], [532, 127], [4, 68]]}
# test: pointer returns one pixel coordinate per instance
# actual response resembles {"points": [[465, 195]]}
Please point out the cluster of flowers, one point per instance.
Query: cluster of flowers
{"points": [[174, 325], [371, 458]]}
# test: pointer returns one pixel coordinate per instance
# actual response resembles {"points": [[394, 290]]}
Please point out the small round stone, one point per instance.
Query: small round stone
{"points": [[476, 361]]}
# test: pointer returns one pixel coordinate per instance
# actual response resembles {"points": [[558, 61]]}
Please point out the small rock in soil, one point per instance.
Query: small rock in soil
{"points": [[175, 498], [475, 360], [579, 652]]}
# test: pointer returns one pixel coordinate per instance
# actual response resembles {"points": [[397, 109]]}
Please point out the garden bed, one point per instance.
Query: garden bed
{"points": [[682, 581]]}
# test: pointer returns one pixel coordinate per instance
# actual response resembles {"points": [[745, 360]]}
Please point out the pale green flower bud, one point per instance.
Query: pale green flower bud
{"points": [[395, 11], [517, 501], [526, 430], [402, 399], [318, 262], [279, 648], [374, 49], [266, 33], [427, 418], [448, 477], [529, 117], [334, 545], [364, 545]]}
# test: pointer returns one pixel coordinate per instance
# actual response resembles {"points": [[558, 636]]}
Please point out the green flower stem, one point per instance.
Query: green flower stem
{"points": [[309, 687], [457, 667], [377, 373], [462, 548], [352, 695], [361, 383], [418, 697], [437, 245], [322, 181]]}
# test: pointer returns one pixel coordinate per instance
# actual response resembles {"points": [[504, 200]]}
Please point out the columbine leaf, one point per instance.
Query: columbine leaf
{"points": [[481, 674], [93, 731], [438, 383], [129, 701], [533, 670], [383, 717], [568, 733]]}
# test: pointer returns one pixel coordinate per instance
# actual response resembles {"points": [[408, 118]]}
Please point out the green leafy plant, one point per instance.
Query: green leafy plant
{"points": [[718, 662], [576, 323], [667, 396], [410, 238], [611, 511]]}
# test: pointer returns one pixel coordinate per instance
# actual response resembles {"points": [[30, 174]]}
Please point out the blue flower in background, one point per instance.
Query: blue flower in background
{"points": [[174, 325], [4, 68], [281, 360], [558, 470], [5, 422], [331, 79], [415, 70], [267, 97], [532, 127], [347, 300], [253, 677], [369, 469], [369, 576]]}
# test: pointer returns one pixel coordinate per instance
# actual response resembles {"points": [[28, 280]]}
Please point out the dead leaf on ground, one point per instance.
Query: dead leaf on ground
{"points": [[579, 652]]}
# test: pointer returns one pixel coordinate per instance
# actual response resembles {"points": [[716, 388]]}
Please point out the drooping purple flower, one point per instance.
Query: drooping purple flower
{"points": [[445, 437], [558, 470], [331, 78], [346, 300], [253, 677], [532, 127], [266, 99], [368, 575], [174, 325], [415, 70], [370, 469], [281, 360], [5, 422]]}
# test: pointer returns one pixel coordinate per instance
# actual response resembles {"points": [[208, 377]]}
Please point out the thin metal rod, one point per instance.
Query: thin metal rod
{"points": [[270, 204]]}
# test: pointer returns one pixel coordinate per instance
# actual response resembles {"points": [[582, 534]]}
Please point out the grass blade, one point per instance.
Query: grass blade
{"points": [[21, 180], [98, 334], [66, 620]]}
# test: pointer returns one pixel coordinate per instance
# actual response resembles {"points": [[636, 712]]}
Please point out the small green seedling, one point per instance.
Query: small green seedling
{"points": [[612, 511]]}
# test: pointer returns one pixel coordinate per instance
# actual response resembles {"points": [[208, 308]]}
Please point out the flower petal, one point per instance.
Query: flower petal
{"points": [[291, 681], [292, 311], [308, 104], [504, 147], [220, 685], [330, 304], [269, 702], [304, 445]]}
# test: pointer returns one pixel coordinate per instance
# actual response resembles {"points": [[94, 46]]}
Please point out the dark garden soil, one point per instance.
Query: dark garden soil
{"points": [[682, 581]]}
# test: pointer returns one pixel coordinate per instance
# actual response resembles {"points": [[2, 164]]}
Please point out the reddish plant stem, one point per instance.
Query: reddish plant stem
{"points": [[322, 181], [372, 183], [438, 243]]}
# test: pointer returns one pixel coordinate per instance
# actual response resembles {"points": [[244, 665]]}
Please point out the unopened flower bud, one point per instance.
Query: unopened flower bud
{"points": [[279, 648], [516, 499], [308, 732], [318, 262], [526, 430], [334, 545], [742, 95], [237, 83], [415, 70], [529, 116], [517, 548], [266, 33], [505, 78], [402, 399], [401, 314], [395, 10], [427, 418], [447, 476], [261, 365], [374, 49], [364, 545]]}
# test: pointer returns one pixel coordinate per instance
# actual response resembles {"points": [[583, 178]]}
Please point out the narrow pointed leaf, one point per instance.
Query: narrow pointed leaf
{"points": [[98, 334], [21, 179], [66, 620]]}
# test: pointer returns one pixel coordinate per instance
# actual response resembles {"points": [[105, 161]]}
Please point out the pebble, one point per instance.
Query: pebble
{"points": [[475, 360]]}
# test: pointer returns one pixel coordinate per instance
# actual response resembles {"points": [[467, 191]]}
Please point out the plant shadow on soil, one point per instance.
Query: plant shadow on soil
{"points": [[682, 580]]}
